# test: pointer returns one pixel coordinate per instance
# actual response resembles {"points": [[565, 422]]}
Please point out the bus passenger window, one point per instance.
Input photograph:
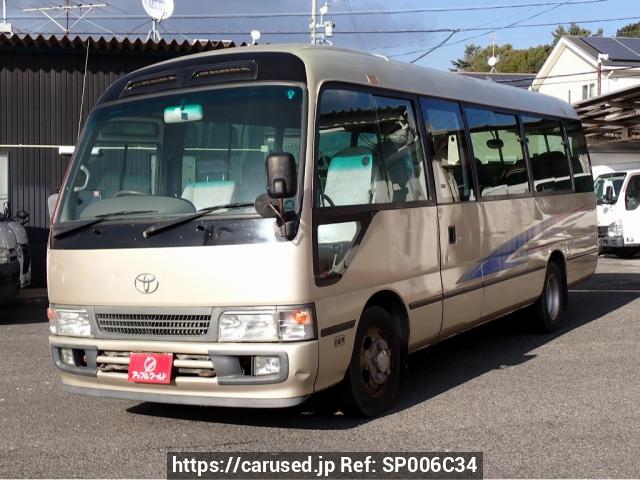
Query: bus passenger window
{"points": [[451, 168], [400, 149], [368, 150], [582, 178], [497, 150], [632, 195], [547, 153]]}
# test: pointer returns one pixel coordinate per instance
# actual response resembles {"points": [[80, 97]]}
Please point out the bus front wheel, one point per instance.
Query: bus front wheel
{"points": [[549, 308], [372, 379]]}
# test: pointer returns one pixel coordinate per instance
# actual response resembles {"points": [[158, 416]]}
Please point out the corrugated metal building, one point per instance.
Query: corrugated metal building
{"points": [[42, 106]]}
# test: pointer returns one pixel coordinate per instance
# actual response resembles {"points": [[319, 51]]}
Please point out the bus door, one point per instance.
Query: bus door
{"points": [[458, 216]]}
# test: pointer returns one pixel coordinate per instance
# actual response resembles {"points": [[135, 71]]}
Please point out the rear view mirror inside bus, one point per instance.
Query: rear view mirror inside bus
{"points": [[183, 113], [282, 179]]}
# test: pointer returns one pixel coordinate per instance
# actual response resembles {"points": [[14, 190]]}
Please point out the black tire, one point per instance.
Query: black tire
{"points": [[371, 382], [625, 253], [550, 308]]}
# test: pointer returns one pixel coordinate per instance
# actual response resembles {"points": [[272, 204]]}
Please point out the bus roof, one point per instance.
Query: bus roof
{"points": [[327, 63]]}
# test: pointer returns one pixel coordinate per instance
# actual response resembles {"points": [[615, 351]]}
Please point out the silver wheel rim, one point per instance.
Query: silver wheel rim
{"points": [[375, 360], [553, 296]]}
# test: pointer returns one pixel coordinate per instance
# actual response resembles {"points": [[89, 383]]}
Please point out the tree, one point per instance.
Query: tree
{"points": [[528, 60], [511, 60], [573, 30], [631, 30]]}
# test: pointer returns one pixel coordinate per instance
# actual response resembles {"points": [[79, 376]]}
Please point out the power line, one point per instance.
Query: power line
{"points": [[441, 44], [405, 31], [434, 48], [347, 12]]}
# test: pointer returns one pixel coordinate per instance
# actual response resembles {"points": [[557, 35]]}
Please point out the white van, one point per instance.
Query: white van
{"points": [[618, 196]]}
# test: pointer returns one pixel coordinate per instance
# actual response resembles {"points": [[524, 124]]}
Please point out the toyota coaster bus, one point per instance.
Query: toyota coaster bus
{"points": [[249, 227]]}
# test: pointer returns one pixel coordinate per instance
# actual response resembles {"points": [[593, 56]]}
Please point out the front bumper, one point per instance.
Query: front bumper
{"points": [[226, 383], [611, 242]]}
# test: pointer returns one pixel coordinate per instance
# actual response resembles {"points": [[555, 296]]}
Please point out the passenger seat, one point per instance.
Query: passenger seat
{"points": [[208, 194]]}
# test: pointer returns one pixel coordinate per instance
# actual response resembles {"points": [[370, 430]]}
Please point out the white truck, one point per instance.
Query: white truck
{"points": [[618, 196]]}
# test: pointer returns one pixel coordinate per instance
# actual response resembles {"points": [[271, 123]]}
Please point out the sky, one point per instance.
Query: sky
{"points": [[435, 44]]}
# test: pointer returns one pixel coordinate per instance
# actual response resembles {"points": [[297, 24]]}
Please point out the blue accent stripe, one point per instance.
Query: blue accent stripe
{"points": [[503, 257]]}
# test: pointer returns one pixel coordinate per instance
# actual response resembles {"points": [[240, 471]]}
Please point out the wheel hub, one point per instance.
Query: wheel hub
{"points": [[376, 360]]}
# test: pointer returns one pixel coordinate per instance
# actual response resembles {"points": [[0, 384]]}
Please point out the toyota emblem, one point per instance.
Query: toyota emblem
{"points": [[146, 283]]}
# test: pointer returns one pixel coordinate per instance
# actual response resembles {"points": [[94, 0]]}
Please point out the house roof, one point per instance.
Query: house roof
{"points": [[520, 80], [622, 51], [110, 44]]}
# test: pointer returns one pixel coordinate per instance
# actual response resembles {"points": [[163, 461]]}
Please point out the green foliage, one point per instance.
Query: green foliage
{"points": [[631, 30], [513, 60], [574, 30]]}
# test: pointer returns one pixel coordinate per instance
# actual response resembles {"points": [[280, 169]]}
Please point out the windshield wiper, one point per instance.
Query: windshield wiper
{"points": [[97, 219], [161, 227]]}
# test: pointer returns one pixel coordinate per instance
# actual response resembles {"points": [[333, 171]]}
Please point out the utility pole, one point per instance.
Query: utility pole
{"points": [[4, 26], [314, 20], [601, 57], [320, 30], [66, 4]]}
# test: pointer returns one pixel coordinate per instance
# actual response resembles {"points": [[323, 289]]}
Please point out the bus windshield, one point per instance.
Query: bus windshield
{"points": [[614, 180], [172, 155]]}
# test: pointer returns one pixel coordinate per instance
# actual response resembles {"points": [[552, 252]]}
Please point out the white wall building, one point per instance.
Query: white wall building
{"points": [[571, 71]]}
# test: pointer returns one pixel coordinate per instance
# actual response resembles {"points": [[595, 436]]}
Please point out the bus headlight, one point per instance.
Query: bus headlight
{"points": [[285, 325], [247, 327], [72, 322], [4, 255]]}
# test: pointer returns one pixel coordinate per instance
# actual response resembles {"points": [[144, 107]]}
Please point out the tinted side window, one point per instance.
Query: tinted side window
{"points": [[451, 167], [582, 178], [497, 151], [547, 153], [369, 150], [632, 194]]}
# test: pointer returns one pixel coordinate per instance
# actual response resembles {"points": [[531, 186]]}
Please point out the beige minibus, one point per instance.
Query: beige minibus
{"points": [[249, 227]]}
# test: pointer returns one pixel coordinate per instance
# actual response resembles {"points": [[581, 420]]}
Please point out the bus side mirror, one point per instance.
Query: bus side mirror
{"points": [[608, 194], [282, 181]]}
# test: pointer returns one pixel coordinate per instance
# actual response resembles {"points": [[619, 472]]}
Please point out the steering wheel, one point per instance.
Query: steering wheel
{"points": [[328, 199], [123, 193]]}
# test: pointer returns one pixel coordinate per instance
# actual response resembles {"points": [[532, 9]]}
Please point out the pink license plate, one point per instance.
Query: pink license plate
{"points": [[150, 367]]}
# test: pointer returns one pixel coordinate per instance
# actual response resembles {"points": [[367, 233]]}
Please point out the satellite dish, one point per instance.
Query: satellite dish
{"points": [[158, 9]]}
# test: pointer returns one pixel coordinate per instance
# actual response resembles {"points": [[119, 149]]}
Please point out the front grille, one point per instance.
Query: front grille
{"points": [[26, 257], [184, 365], [154, 325], [603, 231]]}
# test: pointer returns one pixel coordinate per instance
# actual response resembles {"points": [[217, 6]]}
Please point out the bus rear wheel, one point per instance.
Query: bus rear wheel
{"points": [[549, 309], [372, 379]]}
